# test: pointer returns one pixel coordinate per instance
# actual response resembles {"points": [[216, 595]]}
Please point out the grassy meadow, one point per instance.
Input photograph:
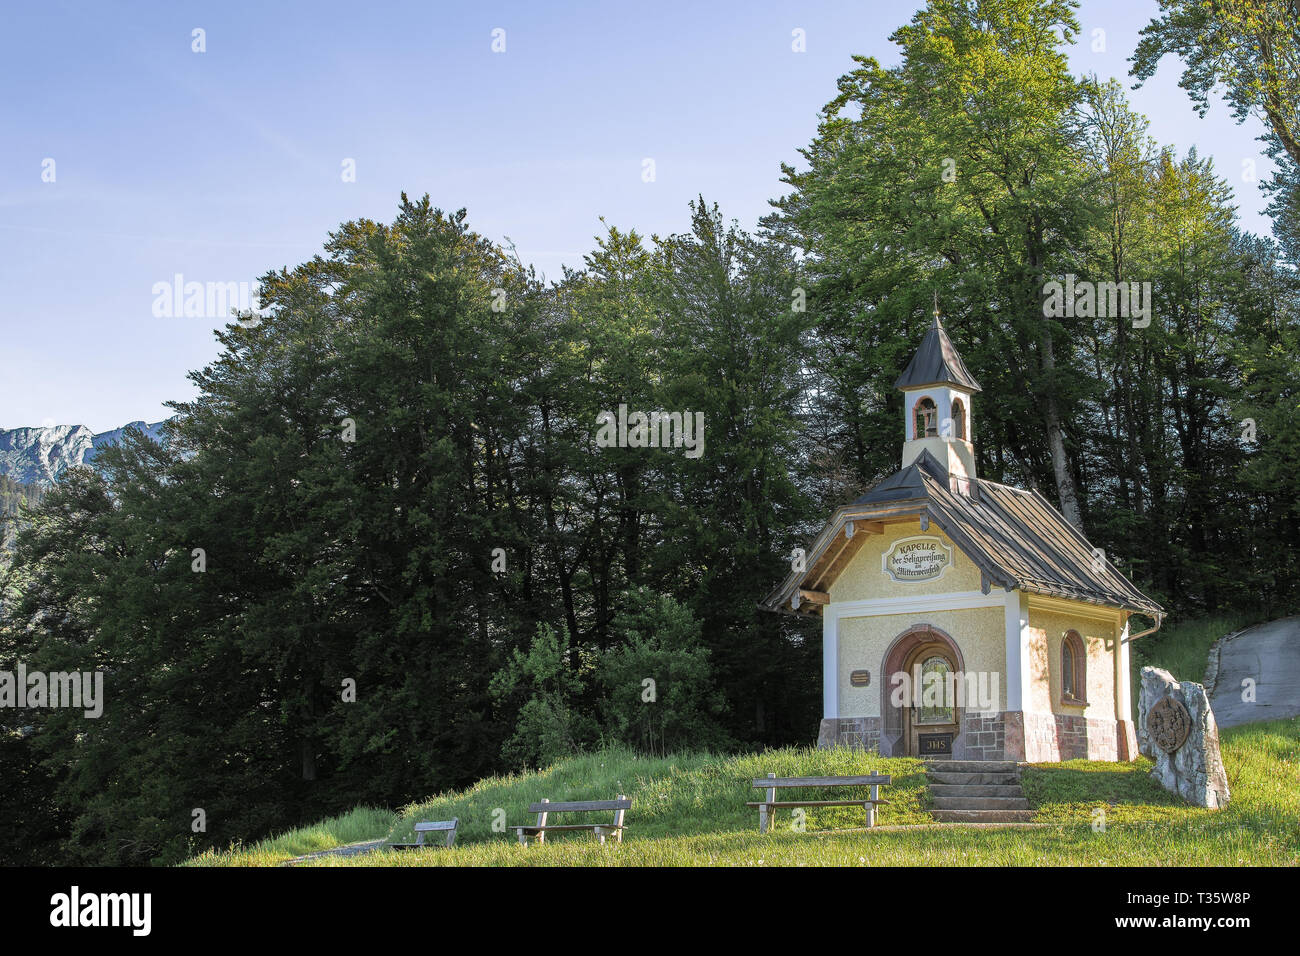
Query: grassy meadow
{"points": [[689, 809]]}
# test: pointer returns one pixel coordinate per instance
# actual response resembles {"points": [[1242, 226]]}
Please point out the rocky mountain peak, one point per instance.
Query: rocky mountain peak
{"points": [[38, 455]]}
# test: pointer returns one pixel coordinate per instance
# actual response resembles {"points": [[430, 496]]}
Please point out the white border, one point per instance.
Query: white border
{"points": [[1017, 653], [954, 601]]}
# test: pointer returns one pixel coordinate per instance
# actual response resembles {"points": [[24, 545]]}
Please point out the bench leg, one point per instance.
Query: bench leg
{"points": [[871, 815], [618, 822], [541, 821]]}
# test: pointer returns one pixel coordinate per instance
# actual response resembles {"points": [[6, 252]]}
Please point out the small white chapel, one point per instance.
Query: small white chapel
{"points": [[963, 618]]}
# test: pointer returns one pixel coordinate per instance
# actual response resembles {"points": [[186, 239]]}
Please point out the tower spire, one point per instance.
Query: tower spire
{"points": [[937, 389]]}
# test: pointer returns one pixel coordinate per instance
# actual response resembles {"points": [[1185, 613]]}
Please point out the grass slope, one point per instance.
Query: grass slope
{"points": [[355, 826], [690, 811]]}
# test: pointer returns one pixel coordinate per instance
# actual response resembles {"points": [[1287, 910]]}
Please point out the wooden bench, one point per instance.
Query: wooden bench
{"points": [[430, 826], [538, 831], [771, 783]]}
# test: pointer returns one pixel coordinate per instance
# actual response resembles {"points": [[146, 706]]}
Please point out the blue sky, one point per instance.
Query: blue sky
{"points": [[223, 164]]}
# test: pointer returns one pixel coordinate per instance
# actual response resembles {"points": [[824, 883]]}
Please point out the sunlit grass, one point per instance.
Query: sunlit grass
{"points": [[363, 823], [690, 811], [692, 793]]}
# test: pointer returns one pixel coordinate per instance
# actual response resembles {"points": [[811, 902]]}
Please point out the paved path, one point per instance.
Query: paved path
{"points": [[1270, 655], [352, 849]]}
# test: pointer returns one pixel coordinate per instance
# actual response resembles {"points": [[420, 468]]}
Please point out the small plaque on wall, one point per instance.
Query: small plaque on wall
{"points": [[935, 745], [860, 678]]}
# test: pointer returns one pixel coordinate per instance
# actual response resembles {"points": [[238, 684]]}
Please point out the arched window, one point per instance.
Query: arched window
{"points": [[926, 419], [1074, 664], [958, 419]]}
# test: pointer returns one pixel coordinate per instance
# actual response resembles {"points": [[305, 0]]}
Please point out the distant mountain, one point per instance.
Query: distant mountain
{"points": [[36, 456]]}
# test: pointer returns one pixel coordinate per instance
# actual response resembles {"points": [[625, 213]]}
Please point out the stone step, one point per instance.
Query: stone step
{"points": [[972, 766], [976, 790], [980, 803], [982, 816], [950, 777]]}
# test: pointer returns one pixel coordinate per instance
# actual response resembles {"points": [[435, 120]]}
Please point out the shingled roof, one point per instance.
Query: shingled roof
{"points": [[1015, 537], [936, 362]]}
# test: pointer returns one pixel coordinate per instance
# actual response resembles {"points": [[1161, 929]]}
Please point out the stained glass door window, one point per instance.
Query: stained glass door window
{"points": [[936, 705]]}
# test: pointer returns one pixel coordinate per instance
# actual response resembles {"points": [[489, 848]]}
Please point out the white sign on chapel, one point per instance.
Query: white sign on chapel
{"points": [[919, 558]]}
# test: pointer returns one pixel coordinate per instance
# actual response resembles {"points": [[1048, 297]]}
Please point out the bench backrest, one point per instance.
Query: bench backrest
{"points": [[619, 806], [869, 780], [436, 826], [581, 806]]}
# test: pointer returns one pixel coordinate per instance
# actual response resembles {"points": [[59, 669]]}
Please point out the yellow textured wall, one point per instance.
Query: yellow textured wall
{"points": [[1049, 628], [979, 633], [865, 579], [1040, 670]]}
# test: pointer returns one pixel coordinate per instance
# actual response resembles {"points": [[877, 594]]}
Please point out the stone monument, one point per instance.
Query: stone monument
{"points": [[1176, 729]]}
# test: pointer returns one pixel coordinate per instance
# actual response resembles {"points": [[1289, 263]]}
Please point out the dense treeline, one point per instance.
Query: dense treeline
{"points": [[386, 551], [981, 170]]}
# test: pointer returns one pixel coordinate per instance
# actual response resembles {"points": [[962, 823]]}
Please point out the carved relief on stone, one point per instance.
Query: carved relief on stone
{"points": [[1168, 723], [1176, 729]]}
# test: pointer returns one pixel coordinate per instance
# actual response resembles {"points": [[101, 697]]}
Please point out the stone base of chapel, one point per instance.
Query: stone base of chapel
{"points": [[1007, 735]]}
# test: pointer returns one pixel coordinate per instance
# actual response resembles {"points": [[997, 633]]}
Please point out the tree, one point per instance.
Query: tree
{"points": [[294, 598], [955, 171], [659, 693], [1250, 49], [549, 725], [727, 519]]}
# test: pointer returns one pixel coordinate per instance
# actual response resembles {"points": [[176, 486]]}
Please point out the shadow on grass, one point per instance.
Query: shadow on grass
{"points": [[1075, 789], [1080, 781]]}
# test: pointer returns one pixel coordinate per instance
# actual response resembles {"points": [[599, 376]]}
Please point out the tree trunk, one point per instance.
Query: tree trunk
{"points": [[553, 532], [308, 761], [1065, 489]]}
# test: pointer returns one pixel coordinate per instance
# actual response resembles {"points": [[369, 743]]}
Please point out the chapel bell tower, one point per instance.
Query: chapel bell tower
{"points": [[937, 390]]}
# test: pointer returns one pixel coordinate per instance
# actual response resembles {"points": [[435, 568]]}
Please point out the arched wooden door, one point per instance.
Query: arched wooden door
{"points": [[931, 722]]}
